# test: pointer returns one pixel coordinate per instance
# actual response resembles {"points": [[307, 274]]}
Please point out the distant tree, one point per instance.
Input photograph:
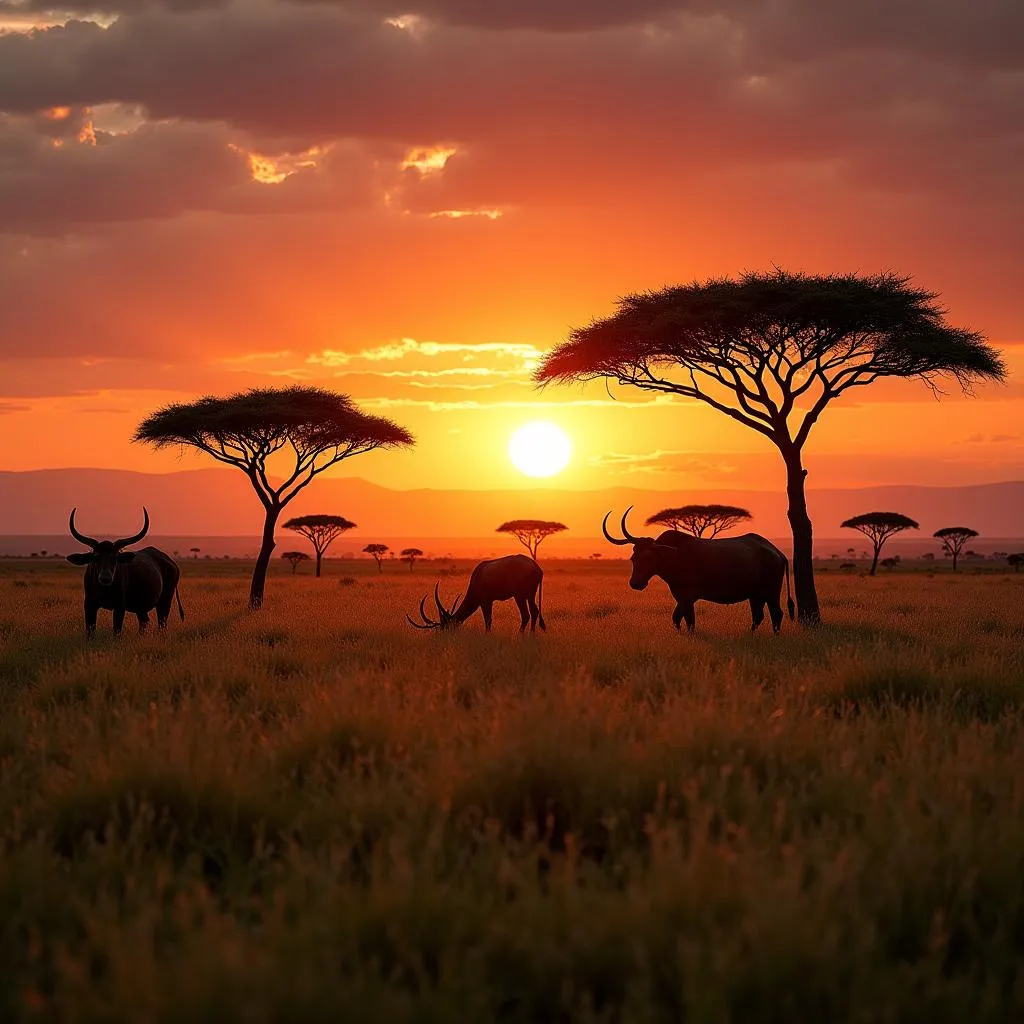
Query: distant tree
{"points": [[321, 531], [195, 552], [596, 555], [531, 532], [848, 565], [1016, 560], [878, 527], [771, 351], [700, 519], [890, 563], [302, 430], [294, 557], [953, 540], [410, 555], [929, 556], [378, 551]]}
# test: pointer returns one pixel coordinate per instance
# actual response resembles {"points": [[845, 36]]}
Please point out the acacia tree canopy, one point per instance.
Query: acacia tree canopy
{"points": [[879, 527], [281, 438], [771, 350], [531, 532], [700, 519]]}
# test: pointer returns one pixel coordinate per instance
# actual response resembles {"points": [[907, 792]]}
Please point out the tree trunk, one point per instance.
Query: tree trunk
{"points": [[956, 555], [803, 541], [259, 573], [874, 562], [319, 559]]}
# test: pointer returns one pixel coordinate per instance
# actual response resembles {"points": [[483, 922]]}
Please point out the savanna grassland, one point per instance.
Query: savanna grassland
{"points": [[316, 813]]}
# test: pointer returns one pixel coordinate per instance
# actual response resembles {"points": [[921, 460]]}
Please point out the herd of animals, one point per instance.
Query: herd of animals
{"points": [[722, 570]]}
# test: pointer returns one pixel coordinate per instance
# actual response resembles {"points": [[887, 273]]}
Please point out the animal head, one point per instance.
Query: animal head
{"points": [[446, 616], [106, 555], [648, 555]]}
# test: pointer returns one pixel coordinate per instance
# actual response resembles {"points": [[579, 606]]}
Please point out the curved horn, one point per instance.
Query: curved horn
{"points": [[630, 539], [80, 537], [607, 535], [128, 541], [416, 625], [426, 618], [441, 610]]}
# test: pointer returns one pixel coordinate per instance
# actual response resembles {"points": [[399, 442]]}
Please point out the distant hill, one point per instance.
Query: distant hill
{"points": [[211, 503]]}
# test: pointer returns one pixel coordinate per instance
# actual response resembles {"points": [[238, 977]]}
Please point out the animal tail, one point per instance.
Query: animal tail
{"points": [[181, 611], [540, 604], [789, 600]]}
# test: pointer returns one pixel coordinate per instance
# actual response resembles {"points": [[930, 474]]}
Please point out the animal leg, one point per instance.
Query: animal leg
{"points": [[775, 611], [90, 618], [534, 614], [143, 618], [118, 619], [162, 614], [524, 614], [487, 609], [756, 613], [684, 611]]}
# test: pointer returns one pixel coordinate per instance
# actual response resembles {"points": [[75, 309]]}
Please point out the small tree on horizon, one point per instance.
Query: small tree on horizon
{"points": [[953, 540], [321, 531], [878, 527], [1016, 560], [771, 351], [700, 519], [195, 552], [301, 430], [378, 551], [531, 533], [294, 557], [410, 555]]}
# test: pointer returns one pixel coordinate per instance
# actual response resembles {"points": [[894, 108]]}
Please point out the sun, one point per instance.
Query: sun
{"points": [[540, 449]]}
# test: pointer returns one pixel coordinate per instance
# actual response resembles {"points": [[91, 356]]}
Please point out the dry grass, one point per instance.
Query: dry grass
{"points": [[316, 813]]}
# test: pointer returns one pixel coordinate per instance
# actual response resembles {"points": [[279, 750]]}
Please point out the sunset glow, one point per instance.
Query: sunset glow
{"points": [[540, 449], [417, 224]]}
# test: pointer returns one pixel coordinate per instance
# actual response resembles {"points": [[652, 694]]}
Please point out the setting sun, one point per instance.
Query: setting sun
{"points": [[540, 449]]}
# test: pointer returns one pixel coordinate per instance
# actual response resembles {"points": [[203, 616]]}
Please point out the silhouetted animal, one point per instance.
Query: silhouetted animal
{"points": [[516, 577], [725, 570], [126, 581]]}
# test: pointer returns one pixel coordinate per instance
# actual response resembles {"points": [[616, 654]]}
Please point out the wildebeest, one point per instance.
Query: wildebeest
{"points": [[516, 577], [725, 570], [126, 581]]}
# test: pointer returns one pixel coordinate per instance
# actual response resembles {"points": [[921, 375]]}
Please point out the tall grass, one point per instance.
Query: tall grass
{"points": [[316, 813]]}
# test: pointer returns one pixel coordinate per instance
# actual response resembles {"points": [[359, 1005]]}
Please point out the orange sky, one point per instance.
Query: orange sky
{"points": [[412, 210]]}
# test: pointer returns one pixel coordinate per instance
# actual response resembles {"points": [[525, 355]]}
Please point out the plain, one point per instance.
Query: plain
{"points": [[314, 812]]}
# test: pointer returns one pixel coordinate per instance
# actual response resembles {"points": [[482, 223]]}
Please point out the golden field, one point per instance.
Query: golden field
{"points": [[316, 813]]}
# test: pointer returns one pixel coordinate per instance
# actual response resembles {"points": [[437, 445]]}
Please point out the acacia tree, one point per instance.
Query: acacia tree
{"points": [[378, 551], [771, 351], [531, 532], [953, 540], [410, 555], [700, 519], [281, 438], [1016, 561], [321, 531], [294, 557], [878, 527]]}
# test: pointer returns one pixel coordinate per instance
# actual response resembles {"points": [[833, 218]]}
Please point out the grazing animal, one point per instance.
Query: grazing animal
{"points": [[517, 577], [725, 570], [126, 581]]}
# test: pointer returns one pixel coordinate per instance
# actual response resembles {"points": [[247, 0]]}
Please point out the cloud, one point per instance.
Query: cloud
{"points": [[410, 347], [991, 438], [469, 405]]}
